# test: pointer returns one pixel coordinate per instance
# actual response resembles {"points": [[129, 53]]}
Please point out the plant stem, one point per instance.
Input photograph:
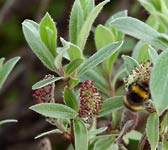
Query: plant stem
{"points": [[72, 134]]}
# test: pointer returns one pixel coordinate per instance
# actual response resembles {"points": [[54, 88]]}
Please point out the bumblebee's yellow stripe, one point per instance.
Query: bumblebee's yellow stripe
{"points": [[140, 92], [133, 107]]}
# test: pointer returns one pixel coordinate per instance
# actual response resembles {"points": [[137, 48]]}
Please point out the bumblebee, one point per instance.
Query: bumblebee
{"points": [[137, 94]]}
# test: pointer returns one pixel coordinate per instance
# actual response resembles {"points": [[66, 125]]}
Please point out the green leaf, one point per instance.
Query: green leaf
{"points": [[45, 82], [108, 37], [32, 36], [164, 7], [140, 52], [98, 131], [99, 57], [147, 5], [115, 119], [156, 4], [123, 13], [130, 63], [110, 105], [58, 60], [164, 124], [70, 99], [151, 20], [48, 33], [103, 36], [92, 145], [87, 7], [48, 132], [108, 64], [84, 32], [138, 46], [165, 144], [114, 147], [163, 19], [81, 135], [155, 9], [6, 69], [132, 135], [73, 82], [76, 21], [8, 121], [105, 142], [159, 83], [143, 55], [65, 54], [53, 110], [72, 66], [152, 130], [73, 51], [1, 62], [153, 54], [140, 30]]}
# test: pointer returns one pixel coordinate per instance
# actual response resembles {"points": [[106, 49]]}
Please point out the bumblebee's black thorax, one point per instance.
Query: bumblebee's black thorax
{"points": [[137, 94]]}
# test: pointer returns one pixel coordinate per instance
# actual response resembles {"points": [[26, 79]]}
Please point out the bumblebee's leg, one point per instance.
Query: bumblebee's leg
{"points": [[149, 106], [128, 122]]}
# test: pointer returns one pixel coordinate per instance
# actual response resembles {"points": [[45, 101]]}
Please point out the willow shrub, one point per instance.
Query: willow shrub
{"points": [[97, 97]]}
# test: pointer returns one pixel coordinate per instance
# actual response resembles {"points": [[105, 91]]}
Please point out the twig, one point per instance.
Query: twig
{"points": [[6, 9]]}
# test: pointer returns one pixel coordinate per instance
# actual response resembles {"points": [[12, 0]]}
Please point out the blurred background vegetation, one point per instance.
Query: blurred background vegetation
{"points": [[16, 94]]}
